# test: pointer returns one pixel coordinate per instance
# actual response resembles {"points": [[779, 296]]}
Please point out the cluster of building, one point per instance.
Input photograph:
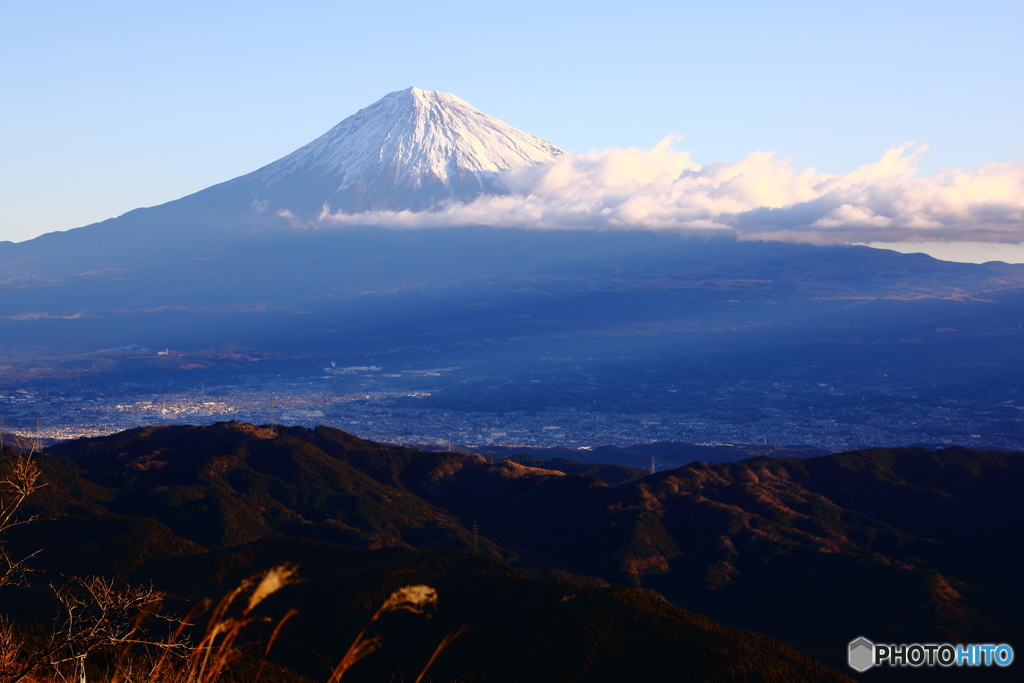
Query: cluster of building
{"points": [[389, 414]]}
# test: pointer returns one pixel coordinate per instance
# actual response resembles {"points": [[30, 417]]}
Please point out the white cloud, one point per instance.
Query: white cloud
{"points": [[853, 216], [759, 197]]}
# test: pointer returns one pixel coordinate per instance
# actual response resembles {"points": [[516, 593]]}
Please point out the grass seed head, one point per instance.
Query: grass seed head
{"points": [[413, 598], [274, 580]]}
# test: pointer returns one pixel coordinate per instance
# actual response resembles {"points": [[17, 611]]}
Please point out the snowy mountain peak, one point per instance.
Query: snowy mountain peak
{"points": [[409, 150]]}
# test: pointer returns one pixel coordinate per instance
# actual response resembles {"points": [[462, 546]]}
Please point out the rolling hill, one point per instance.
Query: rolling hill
{"points": [[902, 545]]}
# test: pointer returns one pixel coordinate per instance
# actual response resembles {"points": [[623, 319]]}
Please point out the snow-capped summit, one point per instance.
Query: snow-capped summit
{"points": [[409, 150]]}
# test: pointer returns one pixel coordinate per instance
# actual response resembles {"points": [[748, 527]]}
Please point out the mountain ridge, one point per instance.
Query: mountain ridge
{"points": [[896, 544]]}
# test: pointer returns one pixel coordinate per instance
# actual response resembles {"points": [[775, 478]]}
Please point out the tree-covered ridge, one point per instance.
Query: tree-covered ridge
{"points": [[901, 545], [135, 506]]}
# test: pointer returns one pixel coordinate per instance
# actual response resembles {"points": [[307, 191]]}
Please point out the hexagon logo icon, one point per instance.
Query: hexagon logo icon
{"points": [[862, 654]]}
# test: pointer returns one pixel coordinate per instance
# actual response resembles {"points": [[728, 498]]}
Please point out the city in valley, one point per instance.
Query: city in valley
{"points": [[456, 406]]}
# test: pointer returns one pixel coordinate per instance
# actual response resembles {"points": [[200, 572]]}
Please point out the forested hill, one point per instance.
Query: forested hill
{"points": [[899, 545]]}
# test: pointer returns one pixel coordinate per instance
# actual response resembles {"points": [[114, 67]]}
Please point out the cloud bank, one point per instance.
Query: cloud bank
{"points": [[759, 197]]}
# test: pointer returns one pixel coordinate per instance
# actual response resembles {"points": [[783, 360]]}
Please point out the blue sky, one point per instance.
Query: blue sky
{"points": [[109, 106]]}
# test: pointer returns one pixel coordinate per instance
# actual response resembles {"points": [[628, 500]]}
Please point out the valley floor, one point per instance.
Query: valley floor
{"points": [[403, 415]]}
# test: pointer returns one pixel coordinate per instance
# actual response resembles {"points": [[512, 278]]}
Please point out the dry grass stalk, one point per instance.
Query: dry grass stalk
{"points": [[416, 599], [21, 480], [441, 647], [98, 615], [220, 644]]}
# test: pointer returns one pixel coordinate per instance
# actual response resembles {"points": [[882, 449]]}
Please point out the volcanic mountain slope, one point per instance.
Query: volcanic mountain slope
{"points": [[446, 291], [236, 263], [409, 151], [412, 150]]}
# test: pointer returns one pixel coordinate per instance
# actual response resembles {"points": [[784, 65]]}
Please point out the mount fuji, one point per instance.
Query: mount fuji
{"points": [[238, 263], [411, 150]]}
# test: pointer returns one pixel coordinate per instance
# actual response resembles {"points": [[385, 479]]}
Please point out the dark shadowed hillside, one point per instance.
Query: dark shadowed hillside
{"points": [[518, 629], [907, 545], [233, 483], [666, 454], [197, 509], [902, 545]]}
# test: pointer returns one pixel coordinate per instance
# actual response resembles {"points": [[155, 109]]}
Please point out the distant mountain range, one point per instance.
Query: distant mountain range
{"points": [[898, 545]]}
